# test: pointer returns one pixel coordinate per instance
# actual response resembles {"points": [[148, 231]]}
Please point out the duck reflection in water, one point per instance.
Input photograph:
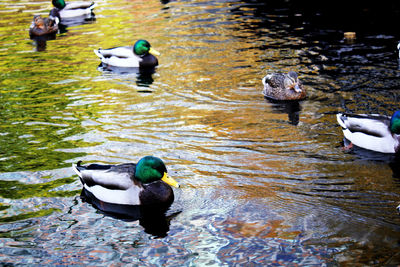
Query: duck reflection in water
{"points": [[292, 108], [393, 160], [152, 218], [144, 76], [41, 42]]}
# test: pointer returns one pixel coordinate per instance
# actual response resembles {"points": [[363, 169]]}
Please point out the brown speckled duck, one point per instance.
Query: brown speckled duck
{"points": [[285, 87], [43, 26]]}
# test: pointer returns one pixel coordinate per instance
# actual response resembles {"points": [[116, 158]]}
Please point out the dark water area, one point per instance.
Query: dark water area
{"points": [[264, 183]]}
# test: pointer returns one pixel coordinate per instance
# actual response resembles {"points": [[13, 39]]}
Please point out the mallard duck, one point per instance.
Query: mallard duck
{"points": [[398, 48], [42, 26], [64, 10], [144, 183], [279, 86], [373, 132], [140, 55]]}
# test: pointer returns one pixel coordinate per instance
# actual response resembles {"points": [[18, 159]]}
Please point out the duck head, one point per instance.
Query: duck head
{"points": [[60, 4], [395, 123], [142, 48], [150, 169], [292, 82], [38, 21]]}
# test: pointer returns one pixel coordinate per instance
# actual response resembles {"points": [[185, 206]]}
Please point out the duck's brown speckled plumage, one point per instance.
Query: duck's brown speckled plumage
{"points": [[280, 86], [42, 26]]}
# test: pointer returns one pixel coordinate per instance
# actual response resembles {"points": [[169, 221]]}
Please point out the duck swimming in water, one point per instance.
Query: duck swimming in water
{"points": [[286, 87], [373, 132], [43, 26], [64, 10], [140, 55], [144, 183]]}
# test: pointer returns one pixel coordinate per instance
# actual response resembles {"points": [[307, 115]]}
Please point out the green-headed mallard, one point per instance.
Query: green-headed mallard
{"points": [[374, 132], [43, 26], [64, 10], [140, 55], [279, 86], [144, 183]]}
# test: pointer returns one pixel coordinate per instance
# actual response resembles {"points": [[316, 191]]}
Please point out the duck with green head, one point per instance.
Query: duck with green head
{"points": [[144, 183], [64, 10], [140, 55], [373, 132]]}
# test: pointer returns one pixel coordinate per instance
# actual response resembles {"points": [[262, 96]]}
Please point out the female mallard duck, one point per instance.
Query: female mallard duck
{"points": [[43, 26], [373, 132], [279, 86], [64, 10], [144, 183], [141, 55]]}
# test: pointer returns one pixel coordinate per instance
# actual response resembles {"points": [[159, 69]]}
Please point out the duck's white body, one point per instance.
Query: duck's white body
{"points": [[370, 132], [398, 48], [77, 9], [119, 57], [111, 185]]}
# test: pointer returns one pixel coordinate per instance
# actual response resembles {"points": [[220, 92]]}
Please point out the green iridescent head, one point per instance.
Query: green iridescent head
{"points": [[60, 4], [395, 123], [142, 48], [150, 169]]}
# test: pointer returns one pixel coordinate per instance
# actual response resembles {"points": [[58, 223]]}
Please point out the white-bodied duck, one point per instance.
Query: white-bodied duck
{"points": [[373, 132], [144, 183], [64, 10], [398, 48], [140, 55], [282, 86]]}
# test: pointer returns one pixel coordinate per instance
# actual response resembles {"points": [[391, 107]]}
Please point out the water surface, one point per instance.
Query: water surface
{"points": [[263, 183]]}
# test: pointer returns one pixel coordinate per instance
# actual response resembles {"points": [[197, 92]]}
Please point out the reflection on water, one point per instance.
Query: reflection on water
{"points": [[292, 108], [41, 41], [143, 77], [152, 218], [263, 183]]}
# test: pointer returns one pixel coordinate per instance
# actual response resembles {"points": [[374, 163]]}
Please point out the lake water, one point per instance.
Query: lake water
{"points": [[262, 183]]}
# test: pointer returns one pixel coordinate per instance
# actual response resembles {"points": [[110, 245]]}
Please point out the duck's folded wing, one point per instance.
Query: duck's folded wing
{"points": [[123, 52], [275, 80], [77, 5], [109, 177], [373, 125]]}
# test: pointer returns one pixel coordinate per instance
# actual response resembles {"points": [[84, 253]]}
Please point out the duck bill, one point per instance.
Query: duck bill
{"points": [[297, 88], [154, 52], [168, 180]]}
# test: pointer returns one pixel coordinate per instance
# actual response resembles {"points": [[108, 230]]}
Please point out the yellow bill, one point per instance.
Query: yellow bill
{"points": [[154, 52], [167, 179]]}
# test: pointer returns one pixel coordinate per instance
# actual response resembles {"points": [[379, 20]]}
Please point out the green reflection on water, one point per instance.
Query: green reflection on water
{"points": [[28, 215], [18, 190]]}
